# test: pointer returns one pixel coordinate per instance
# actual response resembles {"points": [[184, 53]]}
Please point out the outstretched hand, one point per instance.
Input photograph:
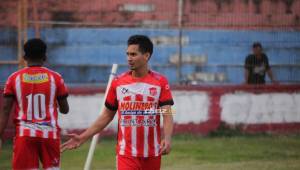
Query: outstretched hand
{"points": [[165, 147], [74, 142]]}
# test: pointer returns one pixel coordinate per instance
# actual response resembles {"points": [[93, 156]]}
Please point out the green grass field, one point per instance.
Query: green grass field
{"points": [[193, 153]]}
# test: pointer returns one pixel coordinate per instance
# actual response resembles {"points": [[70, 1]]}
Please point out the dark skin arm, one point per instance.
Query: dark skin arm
{"points": [[63, 105], [4, 114]]}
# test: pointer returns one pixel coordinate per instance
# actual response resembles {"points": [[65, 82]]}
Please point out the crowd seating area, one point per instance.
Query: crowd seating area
{"points": [[85, 55], [217, 36]]}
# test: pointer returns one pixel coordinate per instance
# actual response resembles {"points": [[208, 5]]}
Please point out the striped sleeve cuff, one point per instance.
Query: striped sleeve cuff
{"points": [[111, 107], [62, 96], [167, 102]]}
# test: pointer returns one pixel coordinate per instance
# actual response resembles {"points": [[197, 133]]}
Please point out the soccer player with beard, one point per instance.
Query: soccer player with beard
{"points": [[139, 96]]}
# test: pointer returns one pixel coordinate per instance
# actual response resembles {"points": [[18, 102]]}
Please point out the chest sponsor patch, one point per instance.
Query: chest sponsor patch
{"points": [[137, 108]]}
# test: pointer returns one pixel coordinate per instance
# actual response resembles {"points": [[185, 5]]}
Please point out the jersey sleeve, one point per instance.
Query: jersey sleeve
{"points": [[165, 97], [111, 100], [62, 90], [9, 87]]}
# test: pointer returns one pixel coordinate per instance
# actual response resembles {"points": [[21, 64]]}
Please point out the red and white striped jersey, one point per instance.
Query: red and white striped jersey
{"points": [[36, 90], [137, 101]]}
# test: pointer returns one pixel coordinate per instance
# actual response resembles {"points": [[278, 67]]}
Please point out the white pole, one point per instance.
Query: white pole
{"points": [[180, 14], [89, 158]]}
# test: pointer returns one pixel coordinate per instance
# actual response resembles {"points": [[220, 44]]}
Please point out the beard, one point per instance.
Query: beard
{"points": [[132, 68]]}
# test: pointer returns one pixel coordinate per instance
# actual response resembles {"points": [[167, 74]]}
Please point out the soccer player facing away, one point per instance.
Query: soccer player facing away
{"points": [[140, 96], [37, 93]]}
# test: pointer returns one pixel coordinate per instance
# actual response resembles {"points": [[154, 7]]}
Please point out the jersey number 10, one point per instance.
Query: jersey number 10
{"points": [[36, 106]]}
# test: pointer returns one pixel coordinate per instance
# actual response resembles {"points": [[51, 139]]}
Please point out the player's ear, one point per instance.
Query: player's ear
{"points": [[25, 57], [44, 58], [147, 55]]}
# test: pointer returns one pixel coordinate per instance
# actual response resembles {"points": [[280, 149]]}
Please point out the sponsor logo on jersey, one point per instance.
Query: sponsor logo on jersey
{"points": [[137, 105], [139, 112], [167, 87], [38, 125], [153, 91], [138, 122], [124, 90], [138, 108], [35, 78]]}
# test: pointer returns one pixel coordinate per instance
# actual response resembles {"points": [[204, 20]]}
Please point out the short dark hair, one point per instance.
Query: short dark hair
{"points": [[35, 49], [256, 44], [144, 42]]}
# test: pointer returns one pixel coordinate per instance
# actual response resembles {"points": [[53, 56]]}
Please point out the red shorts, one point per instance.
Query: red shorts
{"points": [[138, 163], [28, 151]]}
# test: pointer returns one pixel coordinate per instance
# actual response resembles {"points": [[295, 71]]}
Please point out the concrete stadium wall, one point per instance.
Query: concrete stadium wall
{"points": [[84, 55], [201, 110], [191, 107], [249, 108]]}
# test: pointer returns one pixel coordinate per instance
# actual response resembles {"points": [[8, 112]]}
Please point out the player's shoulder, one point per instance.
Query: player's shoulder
{"points": [[52, 72], [122, 76], [16, 73], [158, 76]]}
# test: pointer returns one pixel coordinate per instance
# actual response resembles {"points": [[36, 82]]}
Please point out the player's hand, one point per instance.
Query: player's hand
{"points": [[165, 146], [74, 142]]}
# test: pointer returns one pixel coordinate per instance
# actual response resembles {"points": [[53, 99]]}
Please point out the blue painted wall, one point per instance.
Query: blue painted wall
{"points": [[83, 46]]}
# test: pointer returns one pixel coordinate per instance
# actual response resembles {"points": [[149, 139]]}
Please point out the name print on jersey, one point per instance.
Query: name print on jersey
{"points": [[35, 78]]}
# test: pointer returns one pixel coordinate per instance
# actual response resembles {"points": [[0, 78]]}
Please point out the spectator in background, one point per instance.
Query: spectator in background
{"points": [[257, 65]]}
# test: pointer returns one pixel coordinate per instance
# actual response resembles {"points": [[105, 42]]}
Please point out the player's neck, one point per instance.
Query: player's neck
{"points": [[34, 63], [139, 73]]}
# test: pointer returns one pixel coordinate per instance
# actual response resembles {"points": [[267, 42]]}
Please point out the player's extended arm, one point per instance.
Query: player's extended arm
{"points": [[168, 130], [4, 113], [63, 105], [102, 121]]}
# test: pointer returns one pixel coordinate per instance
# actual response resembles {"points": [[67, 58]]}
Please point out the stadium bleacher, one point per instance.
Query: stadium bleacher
{"points": [[222, 31], [92, 50]]}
